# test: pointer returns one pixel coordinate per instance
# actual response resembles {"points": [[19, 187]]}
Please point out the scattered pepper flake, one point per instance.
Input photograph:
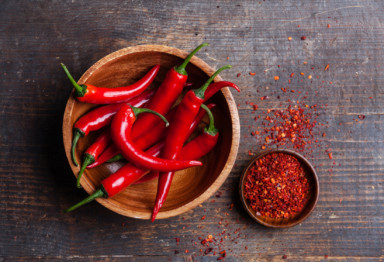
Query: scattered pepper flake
{"points": [[276, 78], [289, 38], [285, 257], [255, 107], [330, 155], [238, 74], [326, 67], [328, 25], [203, 217], [303, 37], [361, 117], [309, 77], [292, 74], [252, 73], [302, 73]]}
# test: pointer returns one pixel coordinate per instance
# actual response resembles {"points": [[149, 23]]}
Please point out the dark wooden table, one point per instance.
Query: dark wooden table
{"points": [[36, 183]]}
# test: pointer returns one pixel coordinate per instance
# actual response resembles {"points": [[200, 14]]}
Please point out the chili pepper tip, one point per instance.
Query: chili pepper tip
{"points": [[211, 130], [96, 194], [140, 110], [88, 159], [76, 135], [181, 68], [200, 91], [80, 89]]}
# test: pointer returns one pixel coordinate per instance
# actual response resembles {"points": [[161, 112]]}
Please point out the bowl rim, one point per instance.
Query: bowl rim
{"points": [[234, 118], [312, 172]]}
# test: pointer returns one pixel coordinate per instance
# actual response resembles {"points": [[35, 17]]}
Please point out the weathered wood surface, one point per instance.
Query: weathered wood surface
{"points": [[35, 179]]}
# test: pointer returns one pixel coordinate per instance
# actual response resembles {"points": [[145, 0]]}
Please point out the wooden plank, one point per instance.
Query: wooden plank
{"points": [[36, 183]]}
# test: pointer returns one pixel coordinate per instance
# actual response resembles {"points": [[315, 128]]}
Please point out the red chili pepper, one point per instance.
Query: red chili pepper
{"points": [[112, 153], [129, 173], [93, 152], [121, 135], [149, 138], [215, 87], [158, 132], [166, 95], [119, 180], [177, 135], [103, 95], [198, 147], [101, 117]]}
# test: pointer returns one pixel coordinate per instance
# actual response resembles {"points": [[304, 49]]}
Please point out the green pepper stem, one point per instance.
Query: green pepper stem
{"points": [[115, 158], [80, 89], [181, 68], [200, 91], [88, 159], [99, 193], [77, 133], [140, 110], [211, 130]]}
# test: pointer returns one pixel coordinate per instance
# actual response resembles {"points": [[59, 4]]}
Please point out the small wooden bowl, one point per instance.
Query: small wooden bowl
{"points": [[284, 222], [190, 187]]}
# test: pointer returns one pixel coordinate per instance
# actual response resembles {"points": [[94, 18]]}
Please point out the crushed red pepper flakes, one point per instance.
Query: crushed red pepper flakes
{"points": [[361, 117], [292, 74], [203, 217], [208, 250], [276, 186]]}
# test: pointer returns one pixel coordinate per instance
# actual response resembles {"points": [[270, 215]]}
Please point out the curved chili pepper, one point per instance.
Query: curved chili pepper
{"points": [[176, 137], [121, 135], [215, 87], [103, 95], [129, 173], [101, 117], [198, 147], [166, 95], [143, 142], [93, 152], [114, 155]]}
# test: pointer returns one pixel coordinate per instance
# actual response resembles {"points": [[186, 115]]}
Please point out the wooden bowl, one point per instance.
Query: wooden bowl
{"points": [[190, 187], [298, 218]]}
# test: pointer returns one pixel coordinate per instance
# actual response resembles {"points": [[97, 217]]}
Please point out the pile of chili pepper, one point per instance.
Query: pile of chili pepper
{"points": [[276, 186], [135, 130]]}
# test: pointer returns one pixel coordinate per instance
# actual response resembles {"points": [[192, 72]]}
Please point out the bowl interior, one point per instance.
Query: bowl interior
{"points": [[189, 187], [298, 218]]}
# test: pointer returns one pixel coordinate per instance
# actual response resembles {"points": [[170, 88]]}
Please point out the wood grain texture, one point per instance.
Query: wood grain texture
{"points": [[36, 183]]}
